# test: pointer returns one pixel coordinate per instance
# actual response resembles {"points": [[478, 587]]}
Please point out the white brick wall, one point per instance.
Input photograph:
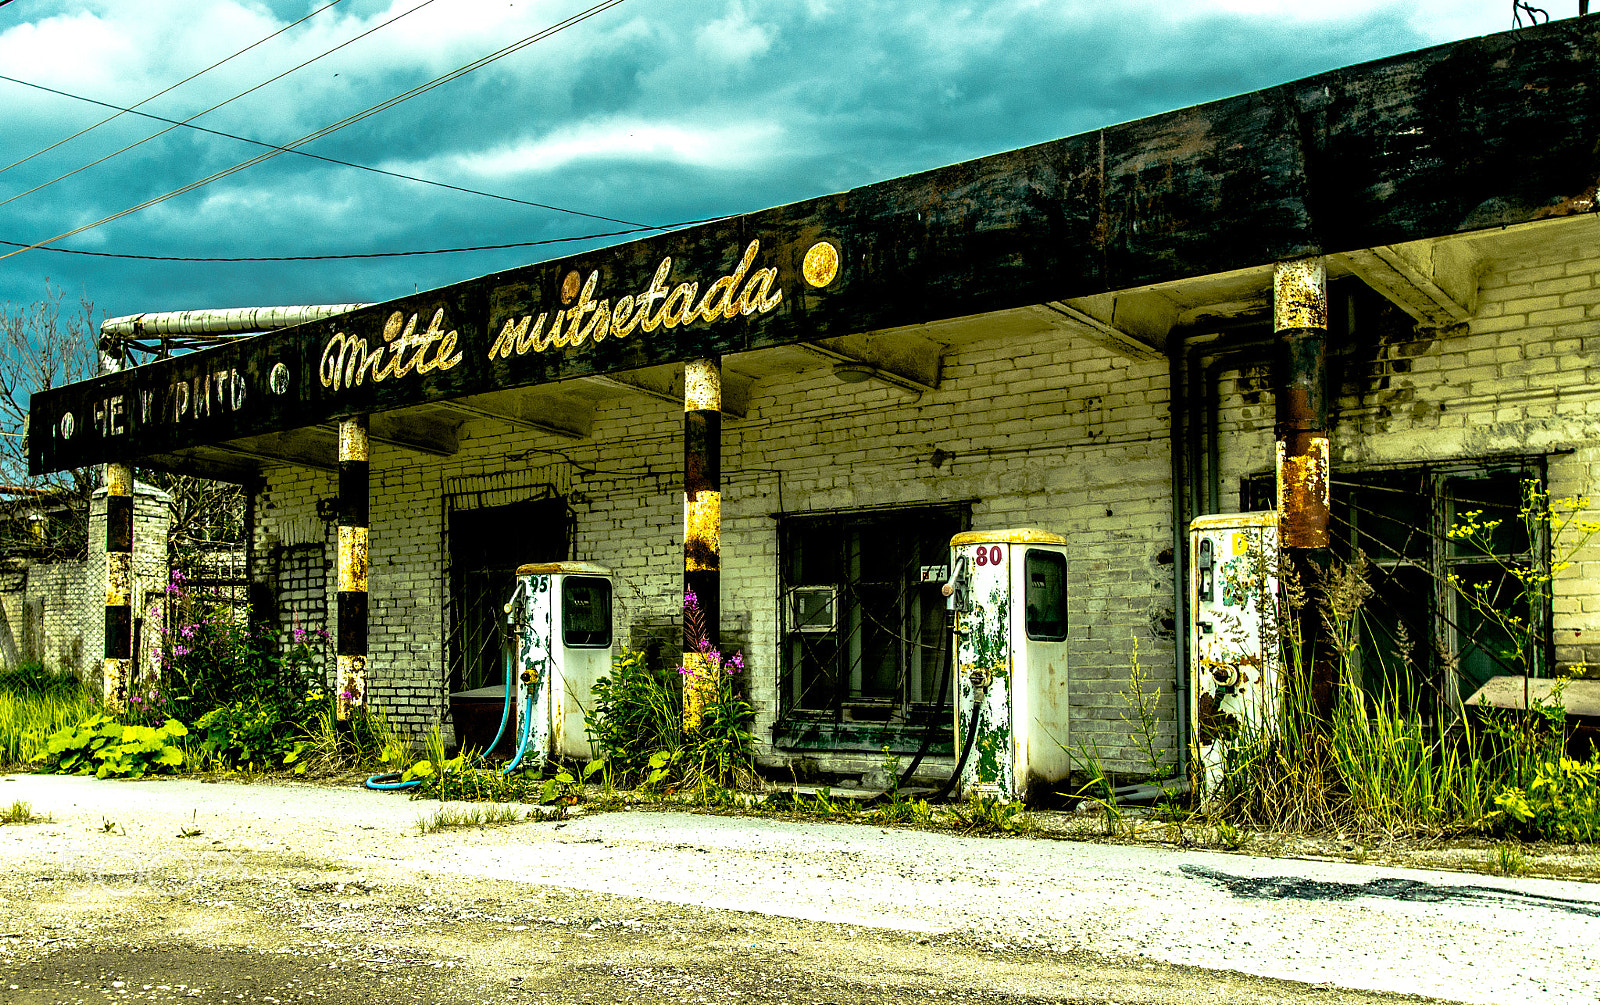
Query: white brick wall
{"points": [[1518, 379], [1043, 431], [1018, 418]]}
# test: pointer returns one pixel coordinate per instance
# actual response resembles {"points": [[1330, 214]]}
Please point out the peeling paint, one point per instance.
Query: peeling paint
{"points": [[702, 531], [353, 559], [1304, 491], [1299, 294], [1021, 535], [353, 440], [702, 385], [119, 480], [1234, 668], [351, 674], [699, 683], [119, 578], [115, 683]]}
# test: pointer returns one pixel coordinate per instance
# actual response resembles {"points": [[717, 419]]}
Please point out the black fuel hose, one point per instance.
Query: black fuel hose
{"points": [[966, 749]]}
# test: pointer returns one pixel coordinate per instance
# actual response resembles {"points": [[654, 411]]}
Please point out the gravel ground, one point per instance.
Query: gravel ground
{"points": [[311, 881]]}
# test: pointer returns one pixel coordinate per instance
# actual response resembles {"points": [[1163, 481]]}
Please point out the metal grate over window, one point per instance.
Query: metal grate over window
{"points": [[865, 642]]}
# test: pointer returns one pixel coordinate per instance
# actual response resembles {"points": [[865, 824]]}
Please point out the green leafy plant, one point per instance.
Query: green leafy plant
{"points": [[565, 789], [989, 815], [1560, 803], [255, 700], [103, 747], [251, 735], [638, 726]]}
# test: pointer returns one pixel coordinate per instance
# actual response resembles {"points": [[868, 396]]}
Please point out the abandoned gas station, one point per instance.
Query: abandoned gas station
{"points": [[1363, 303]]}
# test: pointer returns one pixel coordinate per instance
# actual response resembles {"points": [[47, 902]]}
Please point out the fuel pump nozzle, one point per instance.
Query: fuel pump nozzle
{"points": [[957, 589]]}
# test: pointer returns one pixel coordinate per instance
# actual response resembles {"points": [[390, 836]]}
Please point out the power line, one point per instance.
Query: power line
{"points": [[146, 101], [370, 254], [342, 123], [319, 157], [214, 107]]}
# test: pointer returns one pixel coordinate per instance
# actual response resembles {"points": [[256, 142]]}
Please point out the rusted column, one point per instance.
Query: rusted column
{"points": [[1300, 319], [119, 585], [351, 657], [702, 524]]}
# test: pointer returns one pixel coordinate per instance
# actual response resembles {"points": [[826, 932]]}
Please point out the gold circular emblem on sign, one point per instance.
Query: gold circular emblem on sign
{"points": [[569, 287], [821, 264]]}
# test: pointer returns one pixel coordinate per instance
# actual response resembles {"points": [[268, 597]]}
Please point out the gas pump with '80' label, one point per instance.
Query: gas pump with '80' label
{"points": [[1008, 600]]}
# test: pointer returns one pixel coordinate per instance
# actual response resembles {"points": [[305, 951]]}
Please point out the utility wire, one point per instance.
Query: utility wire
{"points": [[369, 254], [330, 160], [214, 107], [342, 123], [146, 101]]}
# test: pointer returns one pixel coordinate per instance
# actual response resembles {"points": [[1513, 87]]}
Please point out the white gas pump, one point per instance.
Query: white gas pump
{"points": [[1233, 646], [1008, 597], [561, 617]]}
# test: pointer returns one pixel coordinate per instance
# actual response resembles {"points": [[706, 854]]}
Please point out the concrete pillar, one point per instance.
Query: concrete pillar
{"points": [[119, 585], [351, 654], [702, 525]]}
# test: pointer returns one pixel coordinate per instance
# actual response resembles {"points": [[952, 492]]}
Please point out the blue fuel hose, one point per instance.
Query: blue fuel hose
{"points": [[522, 745], [390, 781]]}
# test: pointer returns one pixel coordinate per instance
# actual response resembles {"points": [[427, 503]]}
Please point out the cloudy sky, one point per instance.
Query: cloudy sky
{"points": [[651, 112]]}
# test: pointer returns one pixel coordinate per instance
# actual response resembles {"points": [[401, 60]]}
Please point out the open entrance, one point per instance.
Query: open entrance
{"points": [[485, 544]]}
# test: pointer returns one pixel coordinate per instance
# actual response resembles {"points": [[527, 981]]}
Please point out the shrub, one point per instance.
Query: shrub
{"points": [[253, 705], [637, 721]]}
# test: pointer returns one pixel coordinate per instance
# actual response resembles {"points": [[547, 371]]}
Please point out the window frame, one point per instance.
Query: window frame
{"points": [[1448, 610], [848, 714]]}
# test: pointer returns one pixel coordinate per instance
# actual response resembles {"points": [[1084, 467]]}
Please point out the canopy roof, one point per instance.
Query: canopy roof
{"points": [[1475, 135]]}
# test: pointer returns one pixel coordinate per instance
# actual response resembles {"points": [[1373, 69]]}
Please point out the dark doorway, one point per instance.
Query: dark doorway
{"points": [[486, 545]]}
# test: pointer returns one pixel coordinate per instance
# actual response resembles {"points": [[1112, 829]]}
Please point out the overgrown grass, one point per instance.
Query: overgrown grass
{"points": [[20, 812], [35, 703], [476, 815], [1391, 762]]}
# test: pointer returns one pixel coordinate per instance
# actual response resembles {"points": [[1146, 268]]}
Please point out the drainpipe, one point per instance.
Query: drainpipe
{"points": [[226, 321], [1300, 322], [702, 525], [1177, 418], [351, 657]]}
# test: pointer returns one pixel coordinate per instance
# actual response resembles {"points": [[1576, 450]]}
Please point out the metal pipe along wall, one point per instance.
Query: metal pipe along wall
{"points": [[1300, 321]]}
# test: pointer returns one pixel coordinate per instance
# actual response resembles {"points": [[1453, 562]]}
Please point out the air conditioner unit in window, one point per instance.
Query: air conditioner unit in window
{"points": [[813, 609]]}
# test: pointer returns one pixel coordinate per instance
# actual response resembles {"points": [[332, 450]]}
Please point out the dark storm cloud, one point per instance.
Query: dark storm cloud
{"points": [[654, 111]]}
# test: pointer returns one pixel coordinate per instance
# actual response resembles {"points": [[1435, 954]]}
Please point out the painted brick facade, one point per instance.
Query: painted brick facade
{"points": [[1046, 431], [1516, 381], [1043, 430]]}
